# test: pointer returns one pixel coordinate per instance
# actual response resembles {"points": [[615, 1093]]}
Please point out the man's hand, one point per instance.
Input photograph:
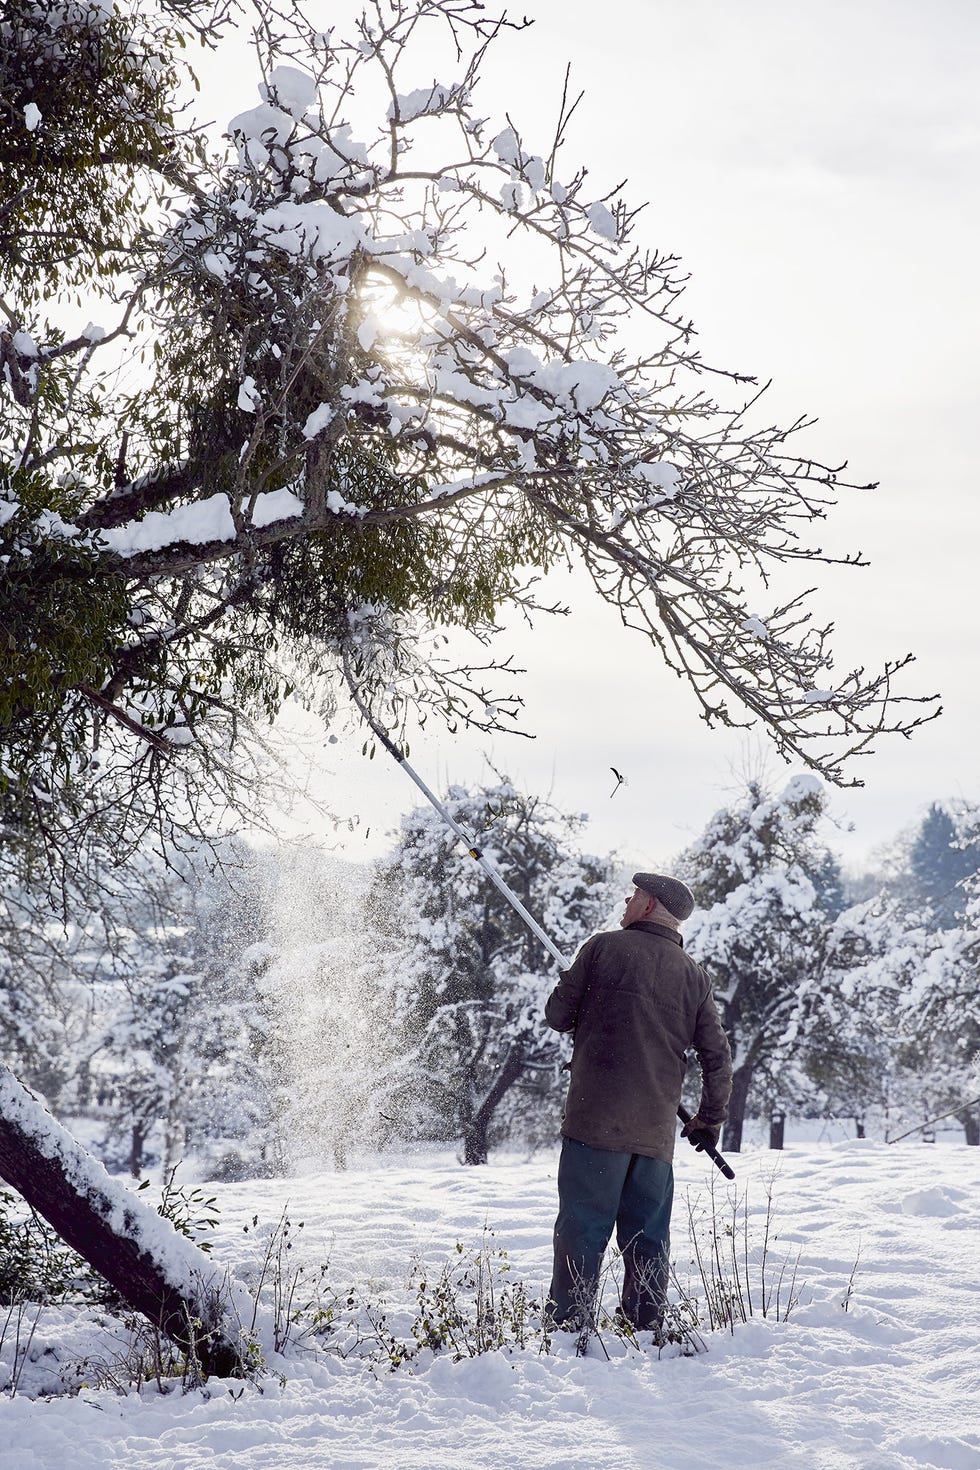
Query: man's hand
{"points": [[701, 1134]]}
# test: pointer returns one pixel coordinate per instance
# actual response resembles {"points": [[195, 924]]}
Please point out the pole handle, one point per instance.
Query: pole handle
{"points": [[708, 1148]]}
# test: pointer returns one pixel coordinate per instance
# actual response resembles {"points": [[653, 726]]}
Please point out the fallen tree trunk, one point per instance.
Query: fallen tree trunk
{"points": [[155, 1269]]}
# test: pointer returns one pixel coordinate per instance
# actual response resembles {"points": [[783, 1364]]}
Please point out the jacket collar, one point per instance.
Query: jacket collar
{"points": [[647, 928]]}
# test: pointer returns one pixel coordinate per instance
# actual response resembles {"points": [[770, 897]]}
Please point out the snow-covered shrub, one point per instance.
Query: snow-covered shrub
{"points": [[736, 1271], [35, 1264]]}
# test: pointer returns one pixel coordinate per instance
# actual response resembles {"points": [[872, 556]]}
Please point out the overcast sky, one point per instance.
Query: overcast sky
{"points": [[817, 168]]}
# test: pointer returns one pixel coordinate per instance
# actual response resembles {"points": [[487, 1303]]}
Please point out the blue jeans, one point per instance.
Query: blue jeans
{"points": [[599, 1188]]}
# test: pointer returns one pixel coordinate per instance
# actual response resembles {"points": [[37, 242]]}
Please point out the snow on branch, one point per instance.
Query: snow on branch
{"points": [[391, 363]]}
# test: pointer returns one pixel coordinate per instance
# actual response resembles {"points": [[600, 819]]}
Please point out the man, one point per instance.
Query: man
{"points": [[636, 1002]]}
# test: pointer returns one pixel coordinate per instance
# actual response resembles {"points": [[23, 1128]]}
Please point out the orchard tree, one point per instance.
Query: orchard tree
{"points": [[359, 377], [916, 990], [844, 1028], [940, 1020], [757, 874], [147, 1047], [468, 977]]}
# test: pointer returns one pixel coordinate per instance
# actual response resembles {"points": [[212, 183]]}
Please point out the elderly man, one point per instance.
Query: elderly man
{"points": [[635, 1002]]}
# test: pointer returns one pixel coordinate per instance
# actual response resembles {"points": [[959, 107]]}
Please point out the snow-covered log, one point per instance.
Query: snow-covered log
{"points": [[158, 1271]]}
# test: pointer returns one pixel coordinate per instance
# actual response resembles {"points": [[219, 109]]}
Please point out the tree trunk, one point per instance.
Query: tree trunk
{"points": [[971, 1127], [859, 1127], [741, 1081], [777, 1129], [476, 1148], [137, 1138], [476, 1133], [157, 1271]]}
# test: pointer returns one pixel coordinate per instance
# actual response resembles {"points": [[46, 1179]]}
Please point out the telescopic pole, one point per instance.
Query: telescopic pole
{"points": [[495, 878]]}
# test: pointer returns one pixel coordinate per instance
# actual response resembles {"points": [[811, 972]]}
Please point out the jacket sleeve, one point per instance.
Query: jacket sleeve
{"points": [[562, 1006], [714, 1058]]}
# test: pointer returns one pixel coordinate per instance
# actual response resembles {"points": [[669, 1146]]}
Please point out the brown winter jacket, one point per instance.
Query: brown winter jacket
{"points": [[636, 1002]]}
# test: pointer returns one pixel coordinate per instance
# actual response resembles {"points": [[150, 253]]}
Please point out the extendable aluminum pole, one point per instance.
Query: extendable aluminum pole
{"points": [[495, 878], [474, 852]]}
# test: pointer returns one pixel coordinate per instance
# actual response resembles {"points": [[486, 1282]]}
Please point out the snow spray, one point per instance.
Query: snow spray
{"points": [[327, 1052]]}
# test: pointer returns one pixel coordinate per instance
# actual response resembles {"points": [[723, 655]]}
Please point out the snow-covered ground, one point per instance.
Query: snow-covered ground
{"points": [[892, 1383]]}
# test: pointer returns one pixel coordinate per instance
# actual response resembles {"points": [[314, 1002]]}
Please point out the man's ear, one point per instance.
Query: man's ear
{"points": [[650, 907]]}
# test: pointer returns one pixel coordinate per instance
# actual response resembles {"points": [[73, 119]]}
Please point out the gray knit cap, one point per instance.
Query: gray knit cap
{"points": [[675, 896]]}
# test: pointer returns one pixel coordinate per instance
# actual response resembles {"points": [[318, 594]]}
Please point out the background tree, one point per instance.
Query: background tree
{"points": [[941, 861], [40, 1011], [468, 978], [935, 973], [132, 1013], [842, 1031], [761, 932]]}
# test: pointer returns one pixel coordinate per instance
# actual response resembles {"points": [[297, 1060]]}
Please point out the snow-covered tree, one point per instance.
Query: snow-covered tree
{"points": [[468, 977], [167, 1043], [942, 1013], [134, 1008], [941, 860], [898, 1019], [34, 1005], [360, 376], [147, 1045], [936, 1015], [845, 1015], [760, 931]]}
